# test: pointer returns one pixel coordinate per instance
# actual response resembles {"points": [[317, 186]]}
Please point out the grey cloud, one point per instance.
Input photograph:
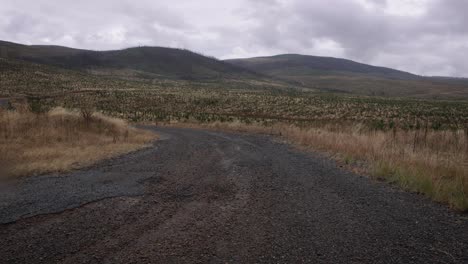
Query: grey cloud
{"points": [[434, 42]]}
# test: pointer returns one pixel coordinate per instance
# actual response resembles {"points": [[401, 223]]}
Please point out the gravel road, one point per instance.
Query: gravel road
{"points": [[207, 197]]}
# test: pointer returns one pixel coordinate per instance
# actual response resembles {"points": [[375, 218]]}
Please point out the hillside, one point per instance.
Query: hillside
{"points": [[141, 62], [345, 76], [66, 67], [18, 78], [296, 65]]}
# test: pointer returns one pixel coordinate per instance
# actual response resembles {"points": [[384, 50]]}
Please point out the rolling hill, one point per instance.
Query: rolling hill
{"points": [[20, 78], [144, 62], [345, 76], [297, 65], [153, 64]]}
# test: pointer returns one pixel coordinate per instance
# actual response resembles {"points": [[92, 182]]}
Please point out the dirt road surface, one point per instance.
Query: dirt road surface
{"points": [[208, 197]]}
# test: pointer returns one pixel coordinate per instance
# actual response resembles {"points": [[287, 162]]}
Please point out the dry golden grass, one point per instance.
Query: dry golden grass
{"points": [[61, 140], [434, 163]]}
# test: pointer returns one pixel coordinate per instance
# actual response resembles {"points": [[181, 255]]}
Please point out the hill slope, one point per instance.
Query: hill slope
{"points": [[282, 71], [296, 65], [146, 62], [346, 76]]}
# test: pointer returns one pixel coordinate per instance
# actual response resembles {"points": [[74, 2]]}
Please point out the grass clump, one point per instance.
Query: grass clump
{"points": [[60, 140], [432, 166]]}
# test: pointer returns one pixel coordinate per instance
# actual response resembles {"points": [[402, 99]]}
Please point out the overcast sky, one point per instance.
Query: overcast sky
{"points": [[428, 37]]}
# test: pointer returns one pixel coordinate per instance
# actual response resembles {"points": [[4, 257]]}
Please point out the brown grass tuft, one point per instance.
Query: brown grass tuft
{"points": [[61, 140]]}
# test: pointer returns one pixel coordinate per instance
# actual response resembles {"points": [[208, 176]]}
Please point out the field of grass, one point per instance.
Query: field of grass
{"points": [[61, 140], [368, 85], [223, 100], [301, 108]]}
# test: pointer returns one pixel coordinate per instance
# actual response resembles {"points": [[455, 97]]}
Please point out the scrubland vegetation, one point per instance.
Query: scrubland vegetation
{"points": [[59, 140], [418, 144]]}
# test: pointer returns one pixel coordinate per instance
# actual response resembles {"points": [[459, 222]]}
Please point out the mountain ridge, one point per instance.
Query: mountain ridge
{"points": [[269, 64], [168, 62], [286, 71]]}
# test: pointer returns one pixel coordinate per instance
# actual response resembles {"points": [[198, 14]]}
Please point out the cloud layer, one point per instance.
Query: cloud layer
{"points": [[428, 37]]}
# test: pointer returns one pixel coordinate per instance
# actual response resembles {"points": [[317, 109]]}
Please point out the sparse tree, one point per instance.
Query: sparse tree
{"points": [[86, 106]]}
